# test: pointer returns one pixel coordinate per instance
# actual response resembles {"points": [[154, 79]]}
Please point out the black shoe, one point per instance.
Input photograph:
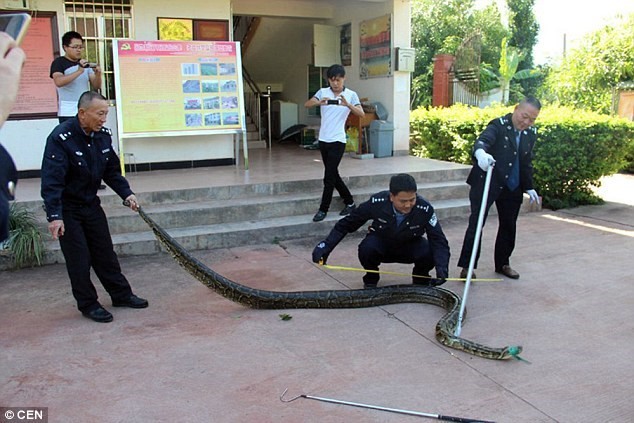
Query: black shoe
{"points": [[319, 216], [132, 301], [423, 279], [347, 210], [98, 314], [102, 186], [507, 271], [464, 272], [369, 285]]}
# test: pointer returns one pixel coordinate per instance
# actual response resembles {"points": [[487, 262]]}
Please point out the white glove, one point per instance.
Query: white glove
{"points": [[533, 195], [485, 160]]}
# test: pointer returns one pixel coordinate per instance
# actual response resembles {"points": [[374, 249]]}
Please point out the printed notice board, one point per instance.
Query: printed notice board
{"points": [[178, 87]]}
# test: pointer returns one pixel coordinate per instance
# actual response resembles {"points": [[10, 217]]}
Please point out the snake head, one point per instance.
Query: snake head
{"points": [[512, 351]]}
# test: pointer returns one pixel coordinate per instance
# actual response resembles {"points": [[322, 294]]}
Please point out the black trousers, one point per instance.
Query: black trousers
{"points": [[508, 204], [374, 250], [87, 243], [331, 154]]}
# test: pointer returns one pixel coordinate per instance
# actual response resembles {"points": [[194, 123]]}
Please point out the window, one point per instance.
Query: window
{"points": [[99, 22]]}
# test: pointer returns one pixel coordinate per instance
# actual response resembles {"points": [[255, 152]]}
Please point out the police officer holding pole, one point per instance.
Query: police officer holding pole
{"points": [[508, 143]]}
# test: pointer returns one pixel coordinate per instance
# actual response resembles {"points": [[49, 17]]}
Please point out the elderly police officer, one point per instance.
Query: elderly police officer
{"points": [[508, 143], [400, 218], [78, 155]]}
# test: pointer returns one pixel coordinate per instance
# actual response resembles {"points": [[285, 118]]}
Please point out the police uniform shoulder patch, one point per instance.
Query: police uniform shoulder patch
{"points": [[433, 220], [377, 199], [65, 135]]}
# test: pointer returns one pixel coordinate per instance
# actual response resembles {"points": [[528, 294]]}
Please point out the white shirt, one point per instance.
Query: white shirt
{"points": [[333, 116]]}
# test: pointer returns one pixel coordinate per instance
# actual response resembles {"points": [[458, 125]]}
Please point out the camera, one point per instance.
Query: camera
{"points": [[89, 65], [335, 101]]}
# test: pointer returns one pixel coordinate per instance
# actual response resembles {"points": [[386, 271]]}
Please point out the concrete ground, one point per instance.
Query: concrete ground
{"points": [[194, 356]]}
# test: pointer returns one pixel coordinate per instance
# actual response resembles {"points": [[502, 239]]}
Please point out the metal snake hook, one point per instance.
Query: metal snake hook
{"points": [[291, 399], [392, 410]]}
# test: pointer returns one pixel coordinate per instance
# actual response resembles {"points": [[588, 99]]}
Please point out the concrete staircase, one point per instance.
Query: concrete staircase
{"points": [[229, 216]]}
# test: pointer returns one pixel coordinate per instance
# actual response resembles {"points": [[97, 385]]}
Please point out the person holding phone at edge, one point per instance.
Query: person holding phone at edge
{"points": [[336, 103], [12, 59], [73, 75]]}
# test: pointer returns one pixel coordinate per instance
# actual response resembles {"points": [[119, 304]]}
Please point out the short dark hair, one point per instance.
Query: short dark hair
{"points": [[87, 97], [402, 182], [532, 101], [335, 71], [70, 36]]}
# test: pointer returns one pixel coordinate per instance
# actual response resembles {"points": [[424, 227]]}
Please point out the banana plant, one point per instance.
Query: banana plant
{"points": [[510, 58]]}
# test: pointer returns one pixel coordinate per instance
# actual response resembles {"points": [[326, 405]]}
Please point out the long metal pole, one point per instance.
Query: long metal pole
{"points": [[392, 410], [474, 250], [268, 114]]}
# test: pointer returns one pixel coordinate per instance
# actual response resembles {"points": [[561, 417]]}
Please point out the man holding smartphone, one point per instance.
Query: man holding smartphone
{"points": [[73, 75], [336, 103]]}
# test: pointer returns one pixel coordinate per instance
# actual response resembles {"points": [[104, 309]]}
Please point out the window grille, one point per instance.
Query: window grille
{"points": [[99, 22]]}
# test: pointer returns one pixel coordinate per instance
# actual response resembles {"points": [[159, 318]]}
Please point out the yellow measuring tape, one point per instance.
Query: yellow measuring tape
{"points": [[384, 272]]}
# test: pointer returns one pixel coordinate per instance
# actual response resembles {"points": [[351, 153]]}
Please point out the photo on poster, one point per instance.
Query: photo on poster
{"points": [[193, 120], [230, 102], [213, 119], [230, 119], [193, 104], [211, 86], [211, 102], [227, 69], [190, 69], [229, 86], [191, 86], [209, 69]]}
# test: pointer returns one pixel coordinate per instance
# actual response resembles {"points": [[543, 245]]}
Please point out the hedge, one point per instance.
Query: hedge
{"points": [[574, 148]]}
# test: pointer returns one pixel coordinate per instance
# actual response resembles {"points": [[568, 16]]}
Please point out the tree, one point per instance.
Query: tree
{"points": [[524, 29], [439, 27], [586, 78]]}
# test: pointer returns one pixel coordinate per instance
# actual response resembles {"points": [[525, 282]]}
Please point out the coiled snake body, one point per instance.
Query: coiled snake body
{"points": [[355, 298]]}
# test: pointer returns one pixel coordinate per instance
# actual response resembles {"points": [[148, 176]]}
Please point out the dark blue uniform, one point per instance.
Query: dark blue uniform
{"points": [[73, 167], [499, 140], [8, 180], [387, 242]]}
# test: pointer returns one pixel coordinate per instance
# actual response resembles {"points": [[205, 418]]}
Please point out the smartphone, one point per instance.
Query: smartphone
{"points": [[333, 102], [15, 24]]}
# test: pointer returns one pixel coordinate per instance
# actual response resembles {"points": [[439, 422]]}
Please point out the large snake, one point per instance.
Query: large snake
{"points": [[354, 298]]}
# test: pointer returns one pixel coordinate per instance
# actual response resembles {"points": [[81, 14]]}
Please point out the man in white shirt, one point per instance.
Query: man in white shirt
{"points": [[336, 103]]}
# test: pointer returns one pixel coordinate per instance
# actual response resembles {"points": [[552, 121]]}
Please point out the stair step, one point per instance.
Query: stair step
{"points": [[249, 232], [257, 207]]}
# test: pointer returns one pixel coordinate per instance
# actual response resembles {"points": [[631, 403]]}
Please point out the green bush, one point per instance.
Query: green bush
{"points": [[25, 240], [574, 148]]}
